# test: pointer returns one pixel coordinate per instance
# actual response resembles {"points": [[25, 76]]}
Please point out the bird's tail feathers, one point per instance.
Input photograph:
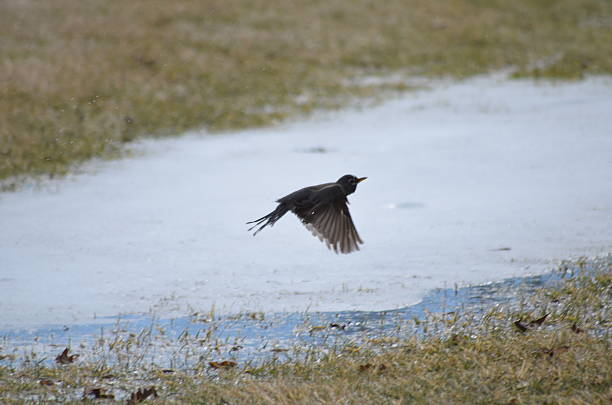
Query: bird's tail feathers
{"points": [[269, 219]]}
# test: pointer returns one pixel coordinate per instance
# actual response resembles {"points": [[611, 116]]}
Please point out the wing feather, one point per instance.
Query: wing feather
{"points": [[332, 224], [324, 223], [342, 238], [336, 232]]}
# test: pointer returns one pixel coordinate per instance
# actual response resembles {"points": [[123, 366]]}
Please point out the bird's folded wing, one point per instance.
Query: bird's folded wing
{"points": [[333, 224]]}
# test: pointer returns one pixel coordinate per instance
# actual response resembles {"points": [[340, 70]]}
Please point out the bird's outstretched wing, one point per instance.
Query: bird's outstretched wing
{"points": [[332, 224]]}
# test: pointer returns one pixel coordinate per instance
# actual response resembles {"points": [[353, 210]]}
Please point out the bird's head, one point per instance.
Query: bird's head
{"points": [[349, 183]]}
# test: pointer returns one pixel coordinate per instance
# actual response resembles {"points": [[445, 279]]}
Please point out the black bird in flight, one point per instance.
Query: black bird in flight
{"points": [[323, 209]]}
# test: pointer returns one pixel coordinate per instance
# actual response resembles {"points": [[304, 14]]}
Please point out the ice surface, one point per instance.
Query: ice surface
{"points": [[456, 176]]}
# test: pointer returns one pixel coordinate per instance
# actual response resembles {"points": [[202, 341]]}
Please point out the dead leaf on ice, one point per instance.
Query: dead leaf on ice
{"points": [[222, 364], [64, 358], [142, 394]]}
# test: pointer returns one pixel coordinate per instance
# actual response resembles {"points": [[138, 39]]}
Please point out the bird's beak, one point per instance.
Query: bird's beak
{"points": [[359, 180]]}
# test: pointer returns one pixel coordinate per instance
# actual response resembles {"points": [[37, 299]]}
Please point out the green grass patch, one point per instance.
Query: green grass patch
{"points": [[80, 79], [550, 347]]}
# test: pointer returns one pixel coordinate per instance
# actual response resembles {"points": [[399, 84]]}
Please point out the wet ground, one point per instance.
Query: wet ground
{"points": [[184, 341]]}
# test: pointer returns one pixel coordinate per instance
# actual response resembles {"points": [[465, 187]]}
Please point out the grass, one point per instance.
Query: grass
{"points": [[552, 347], [80, 79]]}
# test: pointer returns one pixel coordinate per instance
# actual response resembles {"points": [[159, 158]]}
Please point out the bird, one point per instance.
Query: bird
{"points": [[323, 209]]}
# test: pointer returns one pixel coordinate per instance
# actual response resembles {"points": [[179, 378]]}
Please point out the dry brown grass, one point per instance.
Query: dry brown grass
{"points": [[513, 370], [80, 78]]}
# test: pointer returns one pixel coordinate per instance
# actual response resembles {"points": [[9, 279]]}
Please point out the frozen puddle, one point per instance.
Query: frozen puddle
{"points": [[189, 341], [467, 183], [251, 337]]}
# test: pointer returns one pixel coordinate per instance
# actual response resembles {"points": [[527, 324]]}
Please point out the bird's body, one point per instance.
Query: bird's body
{"points": [[323, 209]]}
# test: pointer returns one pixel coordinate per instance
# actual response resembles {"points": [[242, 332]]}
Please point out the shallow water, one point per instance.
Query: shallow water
{"points": [[184, 341]]}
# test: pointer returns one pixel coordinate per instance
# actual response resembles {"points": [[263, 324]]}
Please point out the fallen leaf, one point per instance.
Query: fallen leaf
{"points": [[576, 329], [539, 321], [555, 351], [97, 393], [46, 382], [142, 394], [520, 326], [236, 348], [536, 322], [369, 366], [222, 364], [64, 358], [279, 350], [454, 339]]}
